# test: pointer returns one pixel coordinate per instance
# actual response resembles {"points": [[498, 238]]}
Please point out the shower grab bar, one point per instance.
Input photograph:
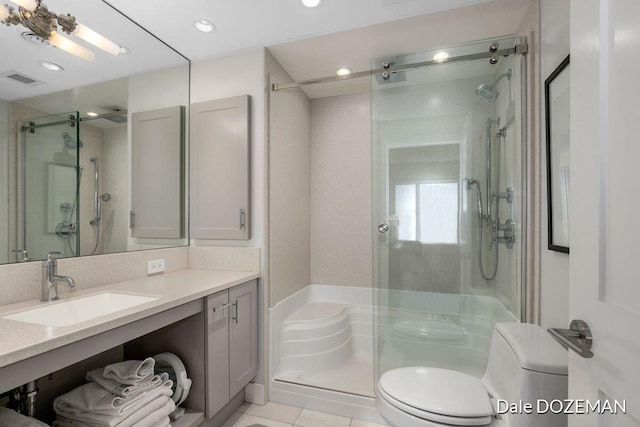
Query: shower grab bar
{"points": [[577, 338]]}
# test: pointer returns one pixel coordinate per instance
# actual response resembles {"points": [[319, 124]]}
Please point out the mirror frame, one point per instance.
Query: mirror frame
{"points": [[555, 118]]}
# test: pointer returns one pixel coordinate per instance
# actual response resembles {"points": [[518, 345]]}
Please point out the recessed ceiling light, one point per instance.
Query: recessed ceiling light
{"points": [[204, 25], [50, 66], [440, 56], [343, 71], [92, 114], [311, 4]]}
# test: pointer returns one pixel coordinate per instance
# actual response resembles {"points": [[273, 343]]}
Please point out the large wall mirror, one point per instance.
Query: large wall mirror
{"points": [[92, 143]]}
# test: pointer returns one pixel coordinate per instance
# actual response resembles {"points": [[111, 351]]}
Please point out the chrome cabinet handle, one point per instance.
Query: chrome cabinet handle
{"points": [[221, 307], [242, 219], [577, 338], [383, 228], [235, 316]]}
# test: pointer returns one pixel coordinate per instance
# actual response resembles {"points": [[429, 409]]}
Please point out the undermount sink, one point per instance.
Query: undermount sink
{"points": [[78, 310]]}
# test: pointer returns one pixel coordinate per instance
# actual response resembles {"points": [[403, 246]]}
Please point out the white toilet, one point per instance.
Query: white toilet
{"points": [[525, 365]]}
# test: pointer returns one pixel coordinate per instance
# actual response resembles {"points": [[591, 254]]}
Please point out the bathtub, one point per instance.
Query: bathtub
{"points": [[322, 347]]}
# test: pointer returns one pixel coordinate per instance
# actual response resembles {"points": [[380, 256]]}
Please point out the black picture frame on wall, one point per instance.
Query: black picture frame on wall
{"points": [[556, 90]]}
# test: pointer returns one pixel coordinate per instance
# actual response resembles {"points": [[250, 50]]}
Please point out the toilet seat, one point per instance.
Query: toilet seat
{"points": [[437, 395]]}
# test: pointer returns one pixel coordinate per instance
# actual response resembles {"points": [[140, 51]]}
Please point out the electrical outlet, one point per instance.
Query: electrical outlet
{"points": [[155, 266]]}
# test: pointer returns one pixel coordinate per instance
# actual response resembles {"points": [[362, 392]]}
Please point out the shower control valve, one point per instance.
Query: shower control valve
{"points": [[507, 195]]}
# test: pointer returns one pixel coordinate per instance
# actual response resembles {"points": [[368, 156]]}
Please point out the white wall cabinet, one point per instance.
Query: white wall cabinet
{"points": [[220, 165], [157, 140], [232, 343]]}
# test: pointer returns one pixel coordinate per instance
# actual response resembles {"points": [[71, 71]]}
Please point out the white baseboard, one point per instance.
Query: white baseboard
{"points": [[254, 393]]}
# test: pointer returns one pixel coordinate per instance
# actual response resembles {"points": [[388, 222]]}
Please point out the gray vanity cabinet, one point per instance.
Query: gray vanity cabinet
{"points": [[220, 148], [232, 343]]}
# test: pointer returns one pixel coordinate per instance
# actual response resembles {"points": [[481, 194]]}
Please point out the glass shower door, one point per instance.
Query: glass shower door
{"points": [[49, 181], [438, 138]]}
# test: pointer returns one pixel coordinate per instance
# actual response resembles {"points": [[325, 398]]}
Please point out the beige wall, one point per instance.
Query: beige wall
{"points": [[341, 224], [289, 188]]}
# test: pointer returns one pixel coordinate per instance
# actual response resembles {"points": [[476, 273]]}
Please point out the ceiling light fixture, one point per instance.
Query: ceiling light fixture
{"points": [[204, 25], [37, 18], [344, 71], [92, 114], [311, 4], [440, 56], [51, 66]]}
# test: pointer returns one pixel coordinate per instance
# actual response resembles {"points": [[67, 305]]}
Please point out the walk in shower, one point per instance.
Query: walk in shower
{"points": [[437, 138], [447, 139], [61, 187]]}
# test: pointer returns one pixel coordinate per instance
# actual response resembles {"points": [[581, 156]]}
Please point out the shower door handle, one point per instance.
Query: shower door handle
{"points": [[383, 228]]}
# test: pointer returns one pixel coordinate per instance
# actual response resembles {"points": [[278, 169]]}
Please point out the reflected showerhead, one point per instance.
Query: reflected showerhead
{"points": [[488, 91], [468, 182], [69, 142]]}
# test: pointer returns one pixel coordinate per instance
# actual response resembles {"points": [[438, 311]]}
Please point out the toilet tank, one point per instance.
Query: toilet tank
{"points": [[527, 365]]}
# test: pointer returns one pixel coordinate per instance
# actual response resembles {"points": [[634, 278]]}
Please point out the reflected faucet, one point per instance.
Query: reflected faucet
{"points": [[50, 278]]}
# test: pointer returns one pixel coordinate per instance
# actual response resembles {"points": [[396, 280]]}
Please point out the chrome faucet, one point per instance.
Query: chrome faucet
{"points": [[50, 278], [25, 255]]}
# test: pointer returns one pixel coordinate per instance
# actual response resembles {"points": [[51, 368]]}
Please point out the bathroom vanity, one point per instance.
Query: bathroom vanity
{"points": [[207, 317]]}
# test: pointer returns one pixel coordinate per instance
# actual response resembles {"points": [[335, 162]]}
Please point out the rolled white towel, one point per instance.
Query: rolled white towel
{"points": [[10, 418], [130, 371], [126, 390], [92, 399], [162, 405]]}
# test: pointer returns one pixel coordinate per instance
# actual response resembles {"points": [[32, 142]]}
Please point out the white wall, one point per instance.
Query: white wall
{"points": [[229, 76], [554, 298], [341, 230], [115, 181], [4, 182]]}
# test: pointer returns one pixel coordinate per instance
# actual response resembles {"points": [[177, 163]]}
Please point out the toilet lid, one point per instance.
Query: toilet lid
{"points": [[439, 392]]}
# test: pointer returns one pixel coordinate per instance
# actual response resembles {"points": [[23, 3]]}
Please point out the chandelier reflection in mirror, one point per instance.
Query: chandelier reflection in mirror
{"points": [[47, 25]]}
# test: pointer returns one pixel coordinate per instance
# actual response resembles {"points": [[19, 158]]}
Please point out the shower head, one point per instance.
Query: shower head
{"points": [[69, 142], [488, 91]]}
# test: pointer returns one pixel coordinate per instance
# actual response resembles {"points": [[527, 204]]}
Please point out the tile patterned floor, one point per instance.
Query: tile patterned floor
{"points": [[278, 415]]}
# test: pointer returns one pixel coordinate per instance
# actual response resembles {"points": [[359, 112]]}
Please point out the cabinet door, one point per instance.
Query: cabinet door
{"points": [[217, 355], [220, 169], [243, 336], [156, 174]]}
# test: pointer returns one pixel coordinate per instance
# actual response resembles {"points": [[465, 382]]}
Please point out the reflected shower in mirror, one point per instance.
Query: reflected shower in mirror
{"points": [[65, 137]]}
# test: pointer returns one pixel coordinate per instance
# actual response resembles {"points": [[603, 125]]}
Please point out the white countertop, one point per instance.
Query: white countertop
{"points": [[20, 340]]}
